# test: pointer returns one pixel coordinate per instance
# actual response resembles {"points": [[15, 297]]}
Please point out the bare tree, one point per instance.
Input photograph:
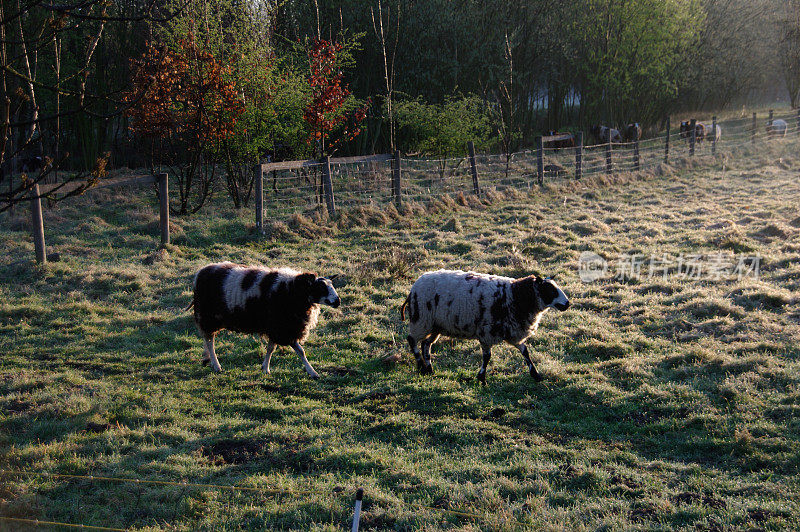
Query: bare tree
{"points": [[40, 89], [388, 71]]}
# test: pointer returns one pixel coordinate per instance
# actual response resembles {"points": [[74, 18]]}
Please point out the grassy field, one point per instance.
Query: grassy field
{"points": [[666, 402]]}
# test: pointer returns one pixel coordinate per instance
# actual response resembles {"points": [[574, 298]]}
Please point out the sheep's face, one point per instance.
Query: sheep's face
{"points": [[551, 294], [322, 292]]}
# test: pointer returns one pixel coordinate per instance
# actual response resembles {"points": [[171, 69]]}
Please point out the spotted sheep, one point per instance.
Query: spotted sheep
{"points": [[489, 308], [279, 304]]}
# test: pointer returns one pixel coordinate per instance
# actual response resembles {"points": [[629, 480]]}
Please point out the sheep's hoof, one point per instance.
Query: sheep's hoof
{"points": [[205, 362], [314, 376], [536, 375], [217, 370], [482, 378], [426, 370]]}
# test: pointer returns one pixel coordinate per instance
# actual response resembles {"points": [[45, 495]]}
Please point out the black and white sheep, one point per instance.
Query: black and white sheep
{"points": [[488, 308], [279, 304]]}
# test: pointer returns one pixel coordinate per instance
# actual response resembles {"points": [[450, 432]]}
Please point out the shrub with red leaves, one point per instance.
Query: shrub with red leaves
{"points": [[329, 123]]}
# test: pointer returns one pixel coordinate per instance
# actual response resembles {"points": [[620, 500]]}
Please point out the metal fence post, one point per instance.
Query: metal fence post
{"points": [[475, 185], [540, 160], [755, 127], [666, 145], [693, 136], [37, 226], [713, 135], [579, 155], [163, 207], [636, 162], [259, 191], [396, 173], [328, 185], [608, 152]]}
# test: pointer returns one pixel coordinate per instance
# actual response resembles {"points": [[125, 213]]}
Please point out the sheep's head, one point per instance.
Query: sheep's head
{"points": [[551, 294], [321, 291]]}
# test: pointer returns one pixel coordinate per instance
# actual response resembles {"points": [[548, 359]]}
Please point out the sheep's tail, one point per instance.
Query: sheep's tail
{"points": [[403, 307]]}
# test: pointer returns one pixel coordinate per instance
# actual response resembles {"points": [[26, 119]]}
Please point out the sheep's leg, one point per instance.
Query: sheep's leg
{"points": [[524, 350], [300, 353], [208, 349], [487, 354], [412, 343], [267, 357], [427, 368]]}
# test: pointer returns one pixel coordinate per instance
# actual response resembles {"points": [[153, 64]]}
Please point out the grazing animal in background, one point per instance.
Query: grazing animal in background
{"points": [[32, 163], [488, 308], [633, 132], [602, 134], [567, 142], [777, 129], [279, 304], [714, 133], [686, 130], [554, 170]]}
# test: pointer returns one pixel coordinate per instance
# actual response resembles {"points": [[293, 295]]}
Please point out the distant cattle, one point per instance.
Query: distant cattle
{"points": [[777, 128], [686, 130], [603, 134], [562, 140], [32, 163], [633, 132], [715, 134]]}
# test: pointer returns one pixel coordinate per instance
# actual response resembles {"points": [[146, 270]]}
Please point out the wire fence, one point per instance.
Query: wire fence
{"points": [[357, 184], [141, 484]]}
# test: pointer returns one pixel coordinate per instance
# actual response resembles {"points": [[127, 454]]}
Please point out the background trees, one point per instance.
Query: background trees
{"points": [[298, 78]]}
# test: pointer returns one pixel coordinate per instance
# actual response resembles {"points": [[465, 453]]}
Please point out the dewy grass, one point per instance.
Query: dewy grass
{"points": [[667, 402]]}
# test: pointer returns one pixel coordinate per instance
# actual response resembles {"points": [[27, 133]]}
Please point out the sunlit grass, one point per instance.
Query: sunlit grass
{"points": [[666, 403]]}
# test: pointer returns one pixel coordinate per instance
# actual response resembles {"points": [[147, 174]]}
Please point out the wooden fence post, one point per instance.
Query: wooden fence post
{"points": [[769, 124], [713, 135], [540, 160], [693, 136], [163, 207], [579, 155], [608, 152], [755, 127], [396, 173], [37, 226], [259, 192], [328, 184], [636, 162], [476, 188], [666, 145]]}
